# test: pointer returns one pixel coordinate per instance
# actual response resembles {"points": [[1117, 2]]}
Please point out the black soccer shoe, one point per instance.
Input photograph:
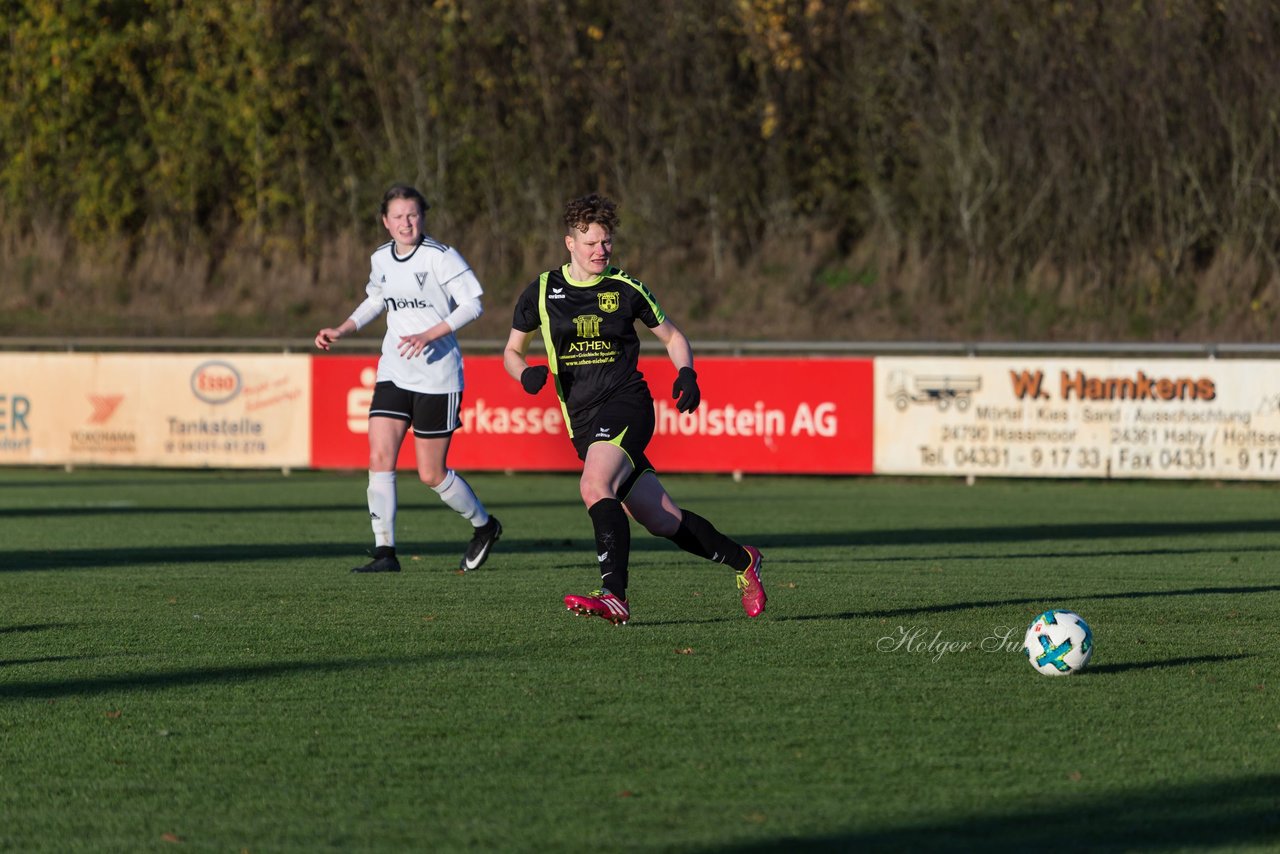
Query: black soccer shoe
{"points": [[478, 549], [384, 560]]}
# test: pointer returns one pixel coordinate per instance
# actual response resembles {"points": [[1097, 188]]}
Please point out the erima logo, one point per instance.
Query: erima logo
{"points": [[602, 558], [556, 293], [603, 433]]}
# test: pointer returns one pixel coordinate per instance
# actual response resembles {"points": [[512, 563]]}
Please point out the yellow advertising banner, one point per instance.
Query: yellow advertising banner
{"points": [[1119, 418], [157, 409]]}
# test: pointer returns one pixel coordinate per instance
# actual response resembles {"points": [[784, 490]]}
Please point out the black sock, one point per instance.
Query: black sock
{"points": [[613, 544], [699, 537]]}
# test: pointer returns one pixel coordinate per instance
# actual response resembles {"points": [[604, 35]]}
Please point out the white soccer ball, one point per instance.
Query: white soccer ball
{"points": [[1058, 643]]}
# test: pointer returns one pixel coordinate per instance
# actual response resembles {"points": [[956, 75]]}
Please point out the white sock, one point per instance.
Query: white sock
{"points": [[382, 507], [456, 492]]}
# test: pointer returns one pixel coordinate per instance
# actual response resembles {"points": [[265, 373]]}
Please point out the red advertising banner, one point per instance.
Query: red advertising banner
{"points": [[760, 416]]}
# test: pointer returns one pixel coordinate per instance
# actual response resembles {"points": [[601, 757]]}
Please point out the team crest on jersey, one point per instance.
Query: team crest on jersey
{"points": [[608, 301], [422, 280]]}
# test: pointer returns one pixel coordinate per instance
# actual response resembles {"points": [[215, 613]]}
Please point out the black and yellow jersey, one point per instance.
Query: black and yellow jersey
{"points": [[590, 335]]}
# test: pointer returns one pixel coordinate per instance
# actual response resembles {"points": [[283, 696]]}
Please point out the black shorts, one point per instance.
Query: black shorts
{"points": [[627, 423], [429, 414]]}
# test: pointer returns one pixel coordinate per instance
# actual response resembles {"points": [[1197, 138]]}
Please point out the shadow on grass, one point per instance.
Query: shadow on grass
{"points": [[208, 676], [1082, 531], [340, 552], [1064, 555], [134, 477], [988, 535], [29, 559], [995, 535], [1037, 601], [343, 556], [125, 507], [1191, 816], [33, 627], [1185, 661], [703, 621], [48, 659]]}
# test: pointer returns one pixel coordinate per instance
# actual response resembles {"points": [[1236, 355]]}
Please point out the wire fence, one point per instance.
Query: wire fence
{"points": [[373, 344]]}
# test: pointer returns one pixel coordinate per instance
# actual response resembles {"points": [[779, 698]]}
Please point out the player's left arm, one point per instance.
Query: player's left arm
{"points": [[464, 291], [685, 390], [677, 343], [411, 346]]}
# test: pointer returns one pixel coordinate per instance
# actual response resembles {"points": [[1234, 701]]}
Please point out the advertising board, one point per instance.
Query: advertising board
{"points": [[757, 415], [1117, 418], [165, 410]]}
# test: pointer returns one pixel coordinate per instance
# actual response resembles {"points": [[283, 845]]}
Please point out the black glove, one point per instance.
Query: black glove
{"points": [[534, 377], [685, 391]]}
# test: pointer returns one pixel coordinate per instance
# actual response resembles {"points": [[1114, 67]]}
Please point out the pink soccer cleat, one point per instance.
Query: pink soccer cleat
{"points": [[600, 603], [753, 597]]}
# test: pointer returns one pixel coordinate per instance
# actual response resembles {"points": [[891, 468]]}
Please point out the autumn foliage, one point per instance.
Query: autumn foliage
{"points": [[826, 169]]}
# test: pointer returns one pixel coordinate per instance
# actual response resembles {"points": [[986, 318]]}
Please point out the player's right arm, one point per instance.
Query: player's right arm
{"points": [[371, 307], [515, 358], [325, 337]]}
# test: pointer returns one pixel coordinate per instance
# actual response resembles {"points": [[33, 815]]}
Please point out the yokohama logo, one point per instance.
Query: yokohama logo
{"points": [[104, 406]]}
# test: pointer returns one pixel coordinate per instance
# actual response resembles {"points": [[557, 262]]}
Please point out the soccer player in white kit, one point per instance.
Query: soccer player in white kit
{"points": [[428, 292]]}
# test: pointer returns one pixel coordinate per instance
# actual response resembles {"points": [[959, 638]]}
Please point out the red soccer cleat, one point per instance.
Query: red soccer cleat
{"points": [[600, 603], [753, 597]]}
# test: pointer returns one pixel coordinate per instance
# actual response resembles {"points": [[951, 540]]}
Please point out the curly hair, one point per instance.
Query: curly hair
{"points": [[404, 191], [581, 212]]}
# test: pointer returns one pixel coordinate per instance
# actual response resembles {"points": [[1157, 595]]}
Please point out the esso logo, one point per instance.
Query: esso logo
{"points": [[215, 382]]}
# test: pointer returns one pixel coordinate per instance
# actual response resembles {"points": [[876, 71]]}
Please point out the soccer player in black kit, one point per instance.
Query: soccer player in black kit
{"points": [[587, 312]]}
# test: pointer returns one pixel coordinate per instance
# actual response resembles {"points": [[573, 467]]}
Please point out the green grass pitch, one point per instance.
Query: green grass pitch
{"points": [[187, 663]]}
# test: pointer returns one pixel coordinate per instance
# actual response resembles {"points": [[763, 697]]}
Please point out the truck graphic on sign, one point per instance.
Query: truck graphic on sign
{"points": [[906, 388]]}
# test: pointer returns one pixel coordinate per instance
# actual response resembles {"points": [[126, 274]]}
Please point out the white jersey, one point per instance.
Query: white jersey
{"points": [[417, 292]]}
